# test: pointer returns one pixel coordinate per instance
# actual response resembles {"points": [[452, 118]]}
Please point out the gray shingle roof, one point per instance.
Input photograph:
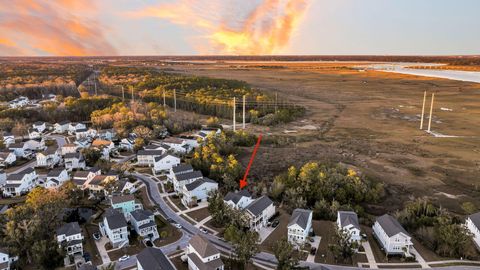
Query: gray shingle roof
{"points": [[123, 198], [55, 172], [182, 168], [203, 246], [391, 226], [300, 217], [235, 197], [349, 218], [154, 259], [198, 183], [150, 152], [20, 175], [115, 219], [188, 175], [475, 219], [141, 214], [69, 229], [260, 204]]}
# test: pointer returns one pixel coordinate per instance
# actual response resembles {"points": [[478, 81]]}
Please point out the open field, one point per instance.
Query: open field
{"points": [[371, 120]]}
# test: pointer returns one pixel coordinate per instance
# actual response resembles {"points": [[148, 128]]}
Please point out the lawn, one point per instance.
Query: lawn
{"points": [[173, 233], [200, 214], [211, 225], [133, 249], [279, 233], [189, 220], [179, 264], [178, 202], [171, 205]]}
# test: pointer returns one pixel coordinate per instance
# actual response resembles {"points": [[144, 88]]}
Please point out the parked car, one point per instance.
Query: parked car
{"points": [[96, 236], [203, 230], [313, 250], [124, 258], [177, 225], [275, 223]]}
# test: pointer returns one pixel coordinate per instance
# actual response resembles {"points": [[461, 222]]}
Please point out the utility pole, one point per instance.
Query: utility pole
{"points": [[95, 83], [431, 111], [276, 100], [234, 105], [423, 109], [175, 100], [164, 98], [133, 96], [243, 118], [123, 94]]}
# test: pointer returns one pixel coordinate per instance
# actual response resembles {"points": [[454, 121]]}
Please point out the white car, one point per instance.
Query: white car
{"points": [[177, 225], [124, 258], [203, 230]]}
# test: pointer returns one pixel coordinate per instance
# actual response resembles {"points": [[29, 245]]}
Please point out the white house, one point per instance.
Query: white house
{"points": [[61, 127], [204, 132], [126, 204], [178, 145], [82, 134], [80, 178], [147, 157], [143, 221], [56, 178], [198, 191], [20, 149], [348, 222], [83, 143], [473, 225], [34, 134], [164, 163], [106, 134], [179, 169], [392, 236], [259, 212], [19, 102], [238, 200], [128, 143], [73, 128], [153, 258], [39, 126], [36, 145], [74, 161], [70, 237], [203, 255], [299, 226], [48, 158], [115, 227], [20, 183], [104, 146], [8, 139], [68, 149], [7, 158], [180, 180], [3, 178], [5, 260]]}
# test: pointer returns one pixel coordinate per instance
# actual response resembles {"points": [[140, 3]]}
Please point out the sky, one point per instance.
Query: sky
{"points": [[239, 27]]}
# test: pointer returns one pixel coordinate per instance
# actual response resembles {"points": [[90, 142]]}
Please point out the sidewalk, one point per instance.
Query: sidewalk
{"points": [[370, 256], [101, 249]]}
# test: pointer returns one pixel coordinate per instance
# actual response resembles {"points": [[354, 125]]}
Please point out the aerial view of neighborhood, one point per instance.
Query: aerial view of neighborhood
{"points": [[239, 135]]}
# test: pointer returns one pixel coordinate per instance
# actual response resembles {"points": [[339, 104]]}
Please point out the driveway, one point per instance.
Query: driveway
{"points": [[315, 244], [369, 254], [101, 249]]}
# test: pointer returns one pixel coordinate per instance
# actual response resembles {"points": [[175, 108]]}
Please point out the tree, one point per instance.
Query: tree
{"points": [[343, 247], [284, 252], [246, 246], [163, 234], [139, 144], [452, 240], [143, 132], [469, 208], [91, 155]]}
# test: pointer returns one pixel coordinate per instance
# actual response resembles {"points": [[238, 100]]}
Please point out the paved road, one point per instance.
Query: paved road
{"points": [[131, 262], [61, 141]]}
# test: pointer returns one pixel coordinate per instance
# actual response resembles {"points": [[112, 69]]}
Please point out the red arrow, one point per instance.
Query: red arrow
{"points": [[243, 182]]}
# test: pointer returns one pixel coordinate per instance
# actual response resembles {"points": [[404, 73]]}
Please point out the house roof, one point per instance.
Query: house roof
{"points": [[158, 158], [188, 175], [149, 153], [203, 247], [348, 218], [259, 205], [98, 179], [73, 155], [195, 184], [87, 266], [55, 172], [151, 147], [16, 145], [50, 151], [68, 229], [69, 145], [300, 217], [141, 214], [81, 174], [173, 140], [38, 123], [235, 197], [99, 142], [391, 226], [475, 219], [115, 219], [64, 122], [122, 199], [5, 154], [20, 175], [153, 259], [210, 265], [182, 168]]}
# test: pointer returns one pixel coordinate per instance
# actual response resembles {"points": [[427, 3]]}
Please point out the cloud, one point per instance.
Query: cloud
{"points": [[234, 27], [55, 27]]}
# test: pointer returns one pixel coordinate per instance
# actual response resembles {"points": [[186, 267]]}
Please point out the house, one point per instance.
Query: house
{"points": [[299, 226], [147, 157], [114, 226], [68, 148], [153, 259], [178, 145], [143, 221], [129, 142], [18, 102], [8, 139], [3, 178], [69, 236], [164, 163], [36, 145], [198, 191], [348, 222], [61, 127], [20, 149], [126, 204], [83, 143], [5, 260], [49, 158], [392, 236], [473, 225], [81, 178], [179, 180], [105, 147], [73, 128], [97, 184], [123, 186], [34, 134], [87, 266], [74, 161], [203, 255], [179, 169], [204, 132], [259, 212], [106, 134], [82, 134], [7, 158], [56, 178], [39, 126], [238, 200], [20, 183]]}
